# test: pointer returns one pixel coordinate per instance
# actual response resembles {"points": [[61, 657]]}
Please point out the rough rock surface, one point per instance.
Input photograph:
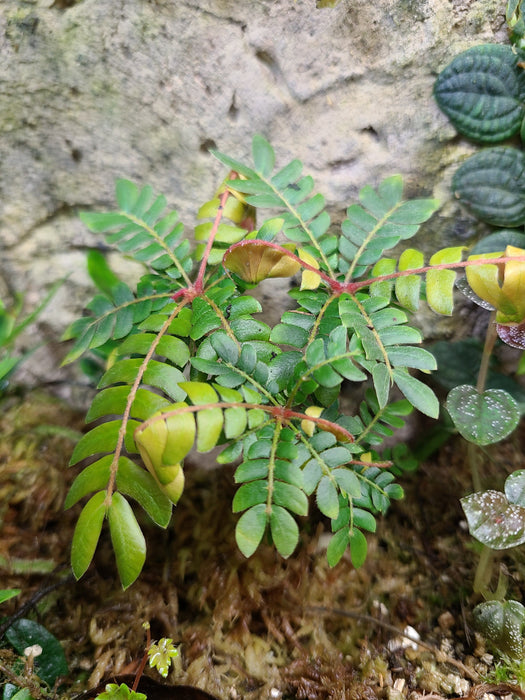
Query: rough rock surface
{"points": [[92, 90]]}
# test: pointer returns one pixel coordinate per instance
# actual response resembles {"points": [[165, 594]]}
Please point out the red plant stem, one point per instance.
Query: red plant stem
{"points": [[143, 661], [285, 414], [339, 288], [198, 284]]}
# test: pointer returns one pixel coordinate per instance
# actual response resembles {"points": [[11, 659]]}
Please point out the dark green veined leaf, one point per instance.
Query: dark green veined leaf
{"points": [[127, 539], [491, 185], [481, 91], [87, 533], [51, 663]]}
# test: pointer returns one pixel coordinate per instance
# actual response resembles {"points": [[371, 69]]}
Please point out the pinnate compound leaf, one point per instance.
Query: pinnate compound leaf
{"points": [[482, 418], [250, 529], [494, 521], [87, 533], [128, 541], [481, 91]]}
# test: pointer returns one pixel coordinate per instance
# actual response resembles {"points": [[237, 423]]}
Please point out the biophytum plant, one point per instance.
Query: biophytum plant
{"points": [[482, 91], [195, 368]]}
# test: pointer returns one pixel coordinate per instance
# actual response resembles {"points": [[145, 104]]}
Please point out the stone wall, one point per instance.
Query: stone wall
{"points": [[92, 90]]}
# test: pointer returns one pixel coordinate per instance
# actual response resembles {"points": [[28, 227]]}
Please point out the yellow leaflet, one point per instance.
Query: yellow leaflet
{"points": [[501, 284], [407, 288], [440, 283], [309, 279], [308, 426]]}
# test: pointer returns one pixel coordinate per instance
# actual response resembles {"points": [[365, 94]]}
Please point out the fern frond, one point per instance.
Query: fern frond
{"points": [[138, 231], [378, 223], [303, 216], [116, 314]]}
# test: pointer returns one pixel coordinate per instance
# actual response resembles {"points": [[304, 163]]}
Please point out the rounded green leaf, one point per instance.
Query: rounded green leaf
{"points": [[51, 664], [285, 532], [482, 418], [481, 92], [515, 487], [250, 529], [493, 520], [127, 538], [498, 241], [502, 623], [87, 533], [491, 184]]}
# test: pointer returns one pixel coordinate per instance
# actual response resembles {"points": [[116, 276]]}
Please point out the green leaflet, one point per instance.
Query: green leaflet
{"points": [[87, 533], [379, 223], [250, 529], [127, 539], [138, 230]]}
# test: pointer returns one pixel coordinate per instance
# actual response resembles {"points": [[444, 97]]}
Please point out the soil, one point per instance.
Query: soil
{"points": [[399, 627]]}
